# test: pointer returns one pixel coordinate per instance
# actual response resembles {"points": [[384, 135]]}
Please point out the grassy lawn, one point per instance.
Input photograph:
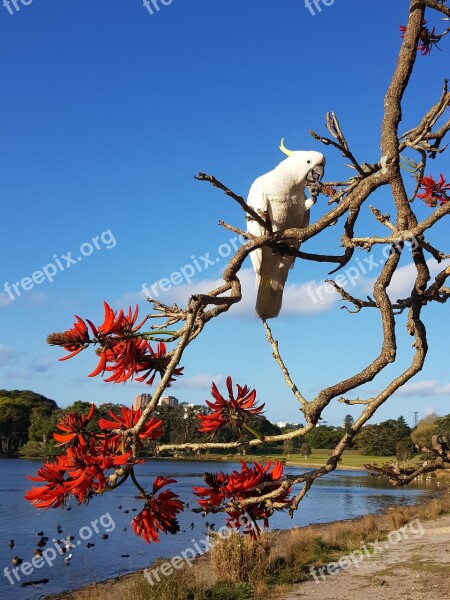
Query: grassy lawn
{"points": [[349, 459]]}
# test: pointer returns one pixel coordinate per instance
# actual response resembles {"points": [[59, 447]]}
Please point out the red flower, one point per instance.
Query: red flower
{"points": [[119, 324], [131, 357], [54, 494], [80, 473], [152, 429], [434, 192], [241, 485], [160, 513], [216, 493], [158, 364], [427, 38], [328, 190], [86, 469], [124, 351], [126, 358], [74, 425], [74, 340], [229, 410]]}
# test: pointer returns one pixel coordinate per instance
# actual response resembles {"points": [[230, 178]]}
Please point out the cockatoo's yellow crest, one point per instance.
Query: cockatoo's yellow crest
{"points": [[285, 150]]}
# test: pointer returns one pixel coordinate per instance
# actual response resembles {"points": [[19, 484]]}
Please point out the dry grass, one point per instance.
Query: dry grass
{"points": [[179, 586], [238, 558], [348, 535], [399, 517], [431, 509]]}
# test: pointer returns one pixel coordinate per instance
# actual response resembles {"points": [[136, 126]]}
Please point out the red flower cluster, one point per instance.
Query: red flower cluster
{"points": [[152, 429], [160, 512], [240, 485], [231, 410], [434, 192], [73, 424], [80, 472], [124, 351], [427, 38]]}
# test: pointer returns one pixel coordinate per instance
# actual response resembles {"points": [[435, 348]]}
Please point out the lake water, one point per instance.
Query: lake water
{"points": [[340, 495]]}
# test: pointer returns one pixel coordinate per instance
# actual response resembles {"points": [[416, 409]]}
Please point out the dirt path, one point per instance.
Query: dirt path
{"points": [[416, 568]]}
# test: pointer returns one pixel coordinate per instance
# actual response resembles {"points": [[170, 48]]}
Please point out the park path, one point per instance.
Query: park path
{"points": [[416, 568]]}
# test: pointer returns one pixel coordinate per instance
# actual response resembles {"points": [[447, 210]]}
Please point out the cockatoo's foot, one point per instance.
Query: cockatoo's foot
{"points": [[281, 248], [314, 189]]}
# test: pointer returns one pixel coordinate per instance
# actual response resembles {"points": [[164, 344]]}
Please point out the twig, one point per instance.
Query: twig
{"points": [[239, 199], [279, 360]]}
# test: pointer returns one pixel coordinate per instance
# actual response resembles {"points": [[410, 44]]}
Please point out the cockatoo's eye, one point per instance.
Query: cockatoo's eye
{"points": [[308, 162]]}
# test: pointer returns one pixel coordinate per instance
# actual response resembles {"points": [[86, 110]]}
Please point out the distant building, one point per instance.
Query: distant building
{"points": [[141, 401], [284, 424], [169, 401]]}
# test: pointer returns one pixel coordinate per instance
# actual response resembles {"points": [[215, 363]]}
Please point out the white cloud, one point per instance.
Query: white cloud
{"points": [[424, 388], [431, 410], [19, 375], [129, 299], [403, 279], [4, 300], [42, 365], [8, 356], [306, 298], [309, 298], [23, 366], [202, 381]]}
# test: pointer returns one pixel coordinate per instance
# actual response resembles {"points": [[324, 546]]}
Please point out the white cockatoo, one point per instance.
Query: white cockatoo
{"points": [[282, 194]]}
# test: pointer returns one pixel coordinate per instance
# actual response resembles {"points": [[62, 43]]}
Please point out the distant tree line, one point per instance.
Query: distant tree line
{"points": [[28, 420], [24, 415], [389, 438]]}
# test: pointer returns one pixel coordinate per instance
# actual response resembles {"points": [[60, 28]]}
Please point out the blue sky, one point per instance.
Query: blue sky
{"points": [[108, 112]]}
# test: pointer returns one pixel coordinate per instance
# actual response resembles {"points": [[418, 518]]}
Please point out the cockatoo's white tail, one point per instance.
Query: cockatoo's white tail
{"points": [[270, 294], [269, 299]]}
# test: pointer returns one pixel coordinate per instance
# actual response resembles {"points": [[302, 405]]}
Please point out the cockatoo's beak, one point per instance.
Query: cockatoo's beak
{"points": [[316, 173]]}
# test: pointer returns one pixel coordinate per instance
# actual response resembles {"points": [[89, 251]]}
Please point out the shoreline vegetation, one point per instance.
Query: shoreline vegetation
{"points": [[238, 568], [352, 460]]}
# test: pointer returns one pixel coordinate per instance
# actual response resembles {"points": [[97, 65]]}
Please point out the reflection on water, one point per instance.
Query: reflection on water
{"points": [[339, 495]]}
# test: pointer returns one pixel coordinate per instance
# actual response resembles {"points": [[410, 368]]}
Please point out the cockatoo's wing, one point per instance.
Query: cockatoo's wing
{"points": [[257, 200], [304, 224], [272, 268]]}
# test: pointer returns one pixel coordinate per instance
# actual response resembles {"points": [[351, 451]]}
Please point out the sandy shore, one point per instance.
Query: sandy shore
{"points": [[315, 465]]}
